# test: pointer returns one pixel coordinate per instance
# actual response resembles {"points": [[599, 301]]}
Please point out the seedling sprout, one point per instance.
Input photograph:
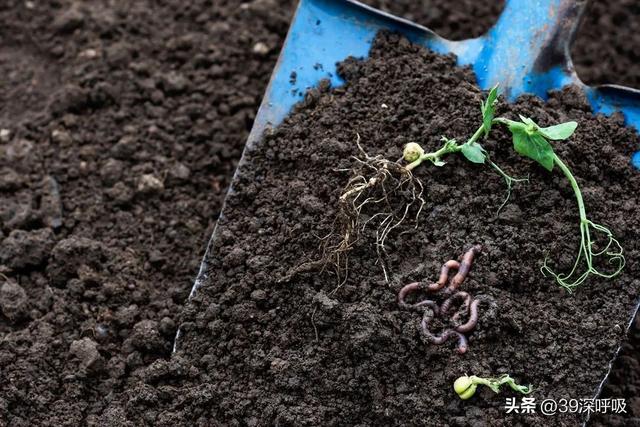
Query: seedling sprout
{"points": [[376, 180], [466, 386]]}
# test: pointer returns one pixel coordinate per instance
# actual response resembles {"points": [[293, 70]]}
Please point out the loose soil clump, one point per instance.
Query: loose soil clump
{"points": [[607, 45]]}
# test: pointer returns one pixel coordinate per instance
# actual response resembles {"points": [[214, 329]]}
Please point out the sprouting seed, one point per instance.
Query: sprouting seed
{"points": [[465, 386]]}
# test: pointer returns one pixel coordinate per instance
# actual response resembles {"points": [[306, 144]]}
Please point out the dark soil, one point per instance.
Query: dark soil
{"points": [[123, 122], [313, 352], [120, 127], [607, 47], [453, 19]]}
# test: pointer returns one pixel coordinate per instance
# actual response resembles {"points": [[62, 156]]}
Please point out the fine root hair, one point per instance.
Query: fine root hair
{"points": [[380, 196]]}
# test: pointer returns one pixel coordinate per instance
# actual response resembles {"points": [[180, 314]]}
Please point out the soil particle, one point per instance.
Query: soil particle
{"points": [[70, 254], [121, 194], [86, 351], [146, 337], [111, 172], [13, 300], [179, 172], [71, 98], [125, 148], [149, 184], [61, 137], [125, 316], [261, 49], [23, 249], [68, 19], [5, 135], [10, 179], [18, 150]]}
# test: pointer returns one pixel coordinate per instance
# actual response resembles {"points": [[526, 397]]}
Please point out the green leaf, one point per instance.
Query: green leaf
{"points": [[489, 110], [450, 144], [438, 162], [533, 146], [559, 132], [473, 152], [527, 121]]}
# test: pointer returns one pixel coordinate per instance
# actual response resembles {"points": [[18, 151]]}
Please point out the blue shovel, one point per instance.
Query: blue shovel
{"points": [[527, 51]]}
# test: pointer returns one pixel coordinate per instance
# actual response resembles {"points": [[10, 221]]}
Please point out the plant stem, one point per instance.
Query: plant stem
{"points": [[574, 185], [509, 180], [495, 383], [612, 249], [445, 149], [502, 120], [476, 135]]}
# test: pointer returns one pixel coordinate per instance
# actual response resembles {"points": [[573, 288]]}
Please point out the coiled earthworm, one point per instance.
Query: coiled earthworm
{"points": [[473, 318], [406, 290], [411, 287], [446, 305], [430, 308], [444, 275]]}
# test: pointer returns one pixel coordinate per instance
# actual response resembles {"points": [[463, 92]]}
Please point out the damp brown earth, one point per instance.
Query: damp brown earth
{"points": [[121, 125], [316, 349]]}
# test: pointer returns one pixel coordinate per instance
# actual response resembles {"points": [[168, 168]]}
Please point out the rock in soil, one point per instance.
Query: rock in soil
{"points": [[86, 351]]}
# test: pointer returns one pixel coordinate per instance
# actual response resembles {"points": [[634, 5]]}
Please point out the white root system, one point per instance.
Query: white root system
{"points": [[381, 194]]}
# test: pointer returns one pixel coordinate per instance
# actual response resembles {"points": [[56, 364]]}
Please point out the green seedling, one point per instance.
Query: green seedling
{"points": [[466, 386], [472, 150], [386, 193], [532, 141]]}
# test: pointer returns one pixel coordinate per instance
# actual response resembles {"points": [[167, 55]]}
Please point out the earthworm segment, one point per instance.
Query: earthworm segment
{"points": [[455, 305]]}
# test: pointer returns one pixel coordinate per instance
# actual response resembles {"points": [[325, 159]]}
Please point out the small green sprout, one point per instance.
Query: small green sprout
{"points": [[466, 386], [532, 141], [414, 151]]}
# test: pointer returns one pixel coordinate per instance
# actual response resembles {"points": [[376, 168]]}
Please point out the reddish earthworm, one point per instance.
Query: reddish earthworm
{"points": [[473, 318], [464, 268], [410, 288], [406, 290], [446, 305], [463, 344], [430, 308], [444, 275], [473, 313]]}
